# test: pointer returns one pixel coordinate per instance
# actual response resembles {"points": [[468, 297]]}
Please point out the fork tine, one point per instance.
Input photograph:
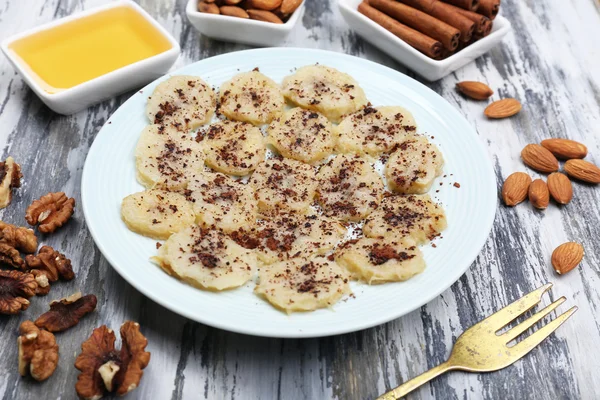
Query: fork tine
{"points": [[527, 344], [529, 322], [507, 314]]}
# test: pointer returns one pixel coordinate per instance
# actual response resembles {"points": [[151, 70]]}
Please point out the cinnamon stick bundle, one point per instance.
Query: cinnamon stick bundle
{"points": [[424, 23], [489, 8], [470, 5], [436, 9], [423, 43]]}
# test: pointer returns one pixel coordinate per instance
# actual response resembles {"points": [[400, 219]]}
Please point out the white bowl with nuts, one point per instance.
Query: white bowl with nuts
{"points": [[254, 22]]}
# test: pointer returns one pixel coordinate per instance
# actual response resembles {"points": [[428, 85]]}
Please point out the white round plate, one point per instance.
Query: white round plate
{"points": [[109, 176]]}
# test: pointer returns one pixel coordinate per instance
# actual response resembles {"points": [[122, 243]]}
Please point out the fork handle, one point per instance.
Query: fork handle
{"points": [[414, 383]]}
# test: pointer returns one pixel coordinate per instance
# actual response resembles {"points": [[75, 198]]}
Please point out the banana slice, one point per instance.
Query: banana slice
{"points": [[400, 216], [381, 260], [302, 135], [289, 235], [349, 188], [412, 168], [374, 130], [165, 157], [207, 259], [234, 148], [284, 184], [251, 97], [222, 202], [185, 102], [303, 284], [324, 89], [156, 213]]}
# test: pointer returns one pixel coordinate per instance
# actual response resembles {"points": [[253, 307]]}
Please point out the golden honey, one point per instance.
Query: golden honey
{"points": [[86, 48]]}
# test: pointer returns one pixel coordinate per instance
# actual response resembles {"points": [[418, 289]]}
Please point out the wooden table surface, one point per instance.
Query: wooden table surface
{"points": [[549, 62]]}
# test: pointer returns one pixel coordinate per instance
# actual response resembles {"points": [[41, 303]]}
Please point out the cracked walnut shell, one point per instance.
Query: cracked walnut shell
{"points": [[103, 368], [15, 288], [66, 313], [10, 177], [38, 352], [53, 263], [20, 238], [50, 211]]}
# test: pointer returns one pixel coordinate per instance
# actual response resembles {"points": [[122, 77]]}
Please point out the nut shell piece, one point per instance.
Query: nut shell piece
{"points": [[38, 352], [15, 288], [50, 211]]}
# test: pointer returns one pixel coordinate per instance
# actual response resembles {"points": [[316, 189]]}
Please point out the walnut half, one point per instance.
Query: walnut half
{"points": [[11, 256], [66, 313], [23, 239], [38, 352], [50, 211], [10, 177], [103, 368], [53, 263], [15, 288]]}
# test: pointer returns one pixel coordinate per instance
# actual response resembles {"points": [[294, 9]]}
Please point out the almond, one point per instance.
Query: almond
{"points": [[539, 196], [503, 108], [539, 158], [583, 170], [289, 6], [566, 257], [474, 90], [515, 188], [267, 5], [210, 8], [565, 149], [560, 188], [233, 11], [265, 16], [232, 2]]}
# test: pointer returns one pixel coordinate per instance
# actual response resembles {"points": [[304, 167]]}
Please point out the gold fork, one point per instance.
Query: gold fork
{"points": [[482, 349]]}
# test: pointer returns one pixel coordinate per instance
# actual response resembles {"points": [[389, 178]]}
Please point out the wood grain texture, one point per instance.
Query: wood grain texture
{"points": [[550, 63]]}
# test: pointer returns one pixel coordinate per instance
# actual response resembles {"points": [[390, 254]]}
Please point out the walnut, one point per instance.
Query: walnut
{"points": [[66, 313], [103, 368], [18, 237], [11, 256], [15, 288], [38, 352], [10, 177], [50, 211], [54, 263], [41, 277]]}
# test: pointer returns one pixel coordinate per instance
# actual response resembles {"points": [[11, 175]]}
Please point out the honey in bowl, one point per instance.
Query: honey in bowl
{"points": [[83, 49]]}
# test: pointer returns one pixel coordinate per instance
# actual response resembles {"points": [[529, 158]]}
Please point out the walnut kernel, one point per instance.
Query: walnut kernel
{"points": [[15, 288], [50, 211], [66, 313], [23, 239], [52, 262], [10, 177], [11, 256], [38, 352]]}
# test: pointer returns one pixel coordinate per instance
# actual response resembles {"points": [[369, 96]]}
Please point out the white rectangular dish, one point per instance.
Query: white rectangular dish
{"points": [[240, 30], [76, 98], [428, 68]]}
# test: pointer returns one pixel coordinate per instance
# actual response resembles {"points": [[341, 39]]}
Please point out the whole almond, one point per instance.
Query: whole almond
{"points": [[503, 108], [539, 158], [566, 257], [560, 188], [265, 16], [209, 8], [232, 2], [583, 170], [233, 11], [565, 149], [515, 188], [289, 6], [267, 5], [475, 90], [539, 196]]}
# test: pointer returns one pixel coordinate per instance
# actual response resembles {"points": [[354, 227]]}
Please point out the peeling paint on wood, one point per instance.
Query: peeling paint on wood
{"points": [[550, 63]]}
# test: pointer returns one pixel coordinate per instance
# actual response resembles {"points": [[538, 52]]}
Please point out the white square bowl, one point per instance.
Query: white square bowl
{"points": [[240, 30], [79, 97], [405, 54]]}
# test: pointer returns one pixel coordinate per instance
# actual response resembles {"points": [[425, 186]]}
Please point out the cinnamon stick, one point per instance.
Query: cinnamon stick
{"points": [[424, 23], [480, 20], [464, 4], [416, 39], [489, 8], [447, 15]]}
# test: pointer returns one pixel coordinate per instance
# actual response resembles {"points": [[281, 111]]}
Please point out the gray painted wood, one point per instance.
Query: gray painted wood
{"points": [[550, 62]]}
